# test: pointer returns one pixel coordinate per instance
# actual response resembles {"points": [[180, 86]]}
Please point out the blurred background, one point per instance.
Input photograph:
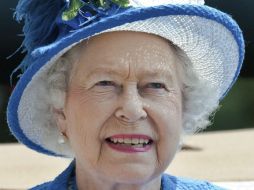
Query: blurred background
{"points": [[237, 111]]}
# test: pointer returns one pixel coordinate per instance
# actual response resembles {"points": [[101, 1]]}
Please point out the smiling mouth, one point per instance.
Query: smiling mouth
{"points": [[130, 143]]}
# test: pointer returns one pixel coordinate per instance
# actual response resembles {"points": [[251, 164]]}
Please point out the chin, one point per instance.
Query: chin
{"points": [[134, 175]]}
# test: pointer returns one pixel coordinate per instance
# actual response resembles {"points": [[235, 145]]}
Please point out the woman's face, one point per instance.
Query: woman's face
{"points": [[123, 110]]}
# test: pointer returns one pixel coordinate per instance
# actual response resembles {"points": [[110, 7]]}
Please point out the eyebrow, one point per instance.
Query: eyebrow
{"points": [[104, 70], [147, 73], [157, 73]]}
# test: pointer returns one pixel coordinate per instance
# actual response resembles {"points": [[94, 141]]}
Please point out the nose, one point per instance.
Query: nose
{"points": [[131, 106]]}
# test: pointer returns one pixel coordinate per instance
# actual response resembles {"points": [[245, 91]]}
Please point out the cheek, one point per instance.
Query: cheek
{"points": [[84, 136], [90, 106], [86, 115], [167, 113], [172, 120], [169, 121], [167, 118]]}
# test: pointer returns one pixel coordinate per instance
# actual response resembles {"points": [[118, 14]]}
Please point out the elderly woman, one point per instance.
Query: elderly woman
{"points": [[117, 84]]}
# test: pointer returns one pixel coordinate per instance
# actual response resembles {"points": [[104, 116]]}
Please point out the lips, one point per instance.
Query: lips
{"points": [[130, 143]]}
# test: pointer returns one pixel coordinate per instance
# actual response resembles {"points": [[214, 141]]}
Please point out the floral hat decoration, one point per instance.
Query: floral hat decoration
{"points": [[210, 38]]}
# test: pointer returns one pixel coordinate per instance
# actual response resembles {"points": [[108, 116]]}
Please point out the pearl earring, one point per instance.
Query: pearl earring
{"points": [[61, 139]]}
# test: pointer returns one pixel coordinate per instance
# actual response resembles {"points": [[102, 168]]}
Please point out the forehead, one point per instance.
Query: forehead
{"points": [[125, 51]]}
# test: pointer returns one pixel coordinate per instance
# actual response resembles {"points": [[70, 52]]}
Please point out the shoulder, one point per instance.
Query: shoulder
{"points": [[43, 186], [60, 182], [52, 185], [179, 183]]}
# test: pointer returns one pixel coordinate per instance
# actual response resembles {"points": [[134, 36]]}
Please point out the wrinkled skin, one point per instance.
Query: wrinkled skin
{"points": [[123, 83]]}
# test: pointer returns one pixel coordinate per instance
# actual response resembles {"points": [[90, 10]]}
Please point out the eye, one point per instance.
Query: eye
{"points": [[105, 83], [105, 89], [156, 85]]}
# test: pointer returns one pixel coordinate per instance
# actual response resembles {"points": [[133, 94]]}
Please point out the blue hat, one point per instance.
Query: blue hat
{"points": [[210, 38]]}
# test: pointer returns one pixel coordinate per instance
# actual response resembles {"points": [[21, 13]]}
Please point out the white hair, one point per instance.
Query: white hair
{"points": [[199, 98]]}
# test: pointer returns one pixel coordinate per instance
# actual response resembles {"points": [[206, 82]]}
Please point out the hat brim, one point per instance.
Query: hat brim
{"points": [[211, 39]]}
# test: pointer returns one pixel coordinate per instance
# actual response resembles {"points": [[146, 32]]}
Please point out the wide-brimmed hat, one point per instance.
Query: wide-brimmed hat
{"points": [[210, 38]]}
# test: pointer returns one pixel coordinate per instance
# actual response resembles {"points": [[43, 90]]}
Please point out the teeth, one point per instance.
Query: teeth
{"points": [[138, 145], [133, 141], [127, 141]]}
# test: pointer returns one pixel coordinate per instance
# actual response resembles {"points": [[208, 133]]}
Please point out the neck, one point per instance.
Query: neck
{"points": [[88, 181]]}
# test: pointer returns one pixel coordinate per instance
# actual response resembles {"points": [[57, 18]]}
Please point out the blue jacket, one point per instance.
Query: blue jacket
{"points": [[168, 182]]}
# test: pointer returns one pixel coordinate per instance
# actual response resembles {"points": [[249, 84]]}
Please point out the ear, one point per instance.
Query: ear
{"points": [[60, 119]]}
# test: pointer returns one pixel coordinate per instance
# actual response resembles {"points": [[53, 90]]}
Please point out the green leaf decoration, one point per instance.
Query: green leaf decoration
{"points": [[99, 3], [121, 3], [76, 5], [104, 3], [73, 10]]}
